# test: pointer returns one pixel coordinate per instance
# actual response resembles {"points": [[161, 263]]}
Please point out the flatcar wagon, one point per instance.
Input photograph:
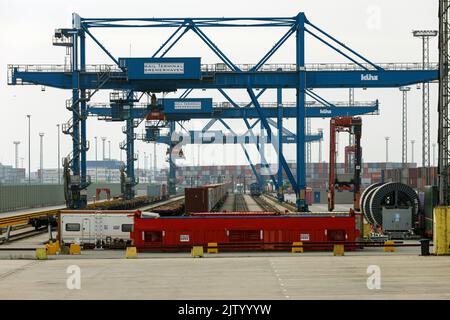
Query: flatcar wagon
{"points": [[181, 233]]}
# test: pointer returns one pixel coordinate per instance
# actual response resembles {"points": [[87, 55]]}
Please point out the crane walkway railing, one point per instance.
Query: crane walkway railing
{"points": [[228, 105], [292, 67], [221, 67], [225, 104]]}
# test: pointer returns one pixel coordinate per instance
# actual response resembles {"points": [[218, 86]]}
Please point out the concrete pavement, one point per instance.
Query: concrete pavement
{"points": [[230, 277]]}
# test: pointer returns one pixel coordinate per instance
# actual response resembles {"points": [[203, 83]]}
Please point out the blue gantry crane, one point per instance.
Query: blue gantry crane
{"points": [[158, 74], [161, 112]]}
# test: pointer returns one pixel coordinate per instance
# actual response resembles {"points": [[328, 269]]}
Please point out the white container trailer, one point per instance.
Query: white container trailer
{"points": [[96, 228]]}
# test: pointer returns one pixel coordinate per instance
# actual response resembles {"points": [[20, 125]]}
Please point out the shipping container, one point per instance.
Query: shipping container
{"points": [[309, 196], [205, 198]]}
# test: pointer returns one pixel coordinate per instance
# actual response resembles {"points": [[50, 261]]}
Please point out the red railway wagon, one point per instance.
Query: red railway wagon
{"points": [[181, 233], [205, 198]]}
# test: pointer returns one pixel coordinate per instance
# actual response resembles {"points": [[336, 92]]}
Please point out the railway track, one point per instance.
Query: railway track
{"points": [[239, 203], [265, 206], [288, 205], [27, 232]]}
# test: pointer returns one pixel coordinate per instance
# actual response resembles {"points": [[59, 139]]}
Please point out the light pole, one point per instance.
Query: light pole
{"points": [[412, 150], [103, 147], [145, 164], [16, 154], [387, 149], [29, 148], [96, 160], [109, 149], [59, 155], [138, 167], [434, 154], [425, 35], [404, 91], [41, 162], [16, 159], [154, 159], [320, 146], [109, 158], [308, 145]]}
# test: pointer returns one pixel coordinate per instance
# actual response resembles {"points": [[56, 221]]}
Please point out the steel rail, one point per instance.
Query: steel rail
{"points": [[239, 203], [264, 204]]}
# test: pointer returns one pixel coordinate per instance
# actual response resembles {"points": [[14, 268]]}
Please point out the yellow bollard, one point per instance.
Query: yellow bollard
{"points": [[41, 254], [441, 230], [338, 250], [297, 249], [131, 252], [212, 247], [389, 246], [74, 248], [366, 231], [52, 248], [197, 252]]}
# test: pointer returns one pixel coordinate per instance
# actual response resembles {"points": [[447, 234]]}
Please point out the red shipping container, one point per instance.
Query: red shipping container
{"points": [[309, 196], [205, 198]]}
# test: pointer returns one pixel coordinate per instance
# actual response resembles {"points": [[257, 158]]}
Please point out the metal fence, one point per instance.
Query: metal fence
{"points": [[23, 196]]}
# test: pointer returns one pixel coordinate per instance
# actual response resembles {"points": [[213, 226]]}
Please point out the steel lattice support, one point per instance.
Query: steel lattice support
{"points": [[308, 145], [425, 35], [351, 138], [302, 206], [76, 197], [171, 183], [130, 181], [262, 151], [404, 91], [351, 103], [280, 192], [425, 111], [83, 117], [444, 104]]}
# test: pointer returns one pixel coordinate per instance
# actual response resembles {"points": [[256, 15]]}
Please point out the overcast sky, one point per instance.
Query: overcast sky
{"points": [[381, 30]]}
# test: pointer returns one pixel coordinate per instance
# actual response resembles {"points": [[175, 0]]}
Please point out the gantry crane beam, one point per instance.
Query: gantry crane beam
{"points": [[141, 112], [46, 75]]}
